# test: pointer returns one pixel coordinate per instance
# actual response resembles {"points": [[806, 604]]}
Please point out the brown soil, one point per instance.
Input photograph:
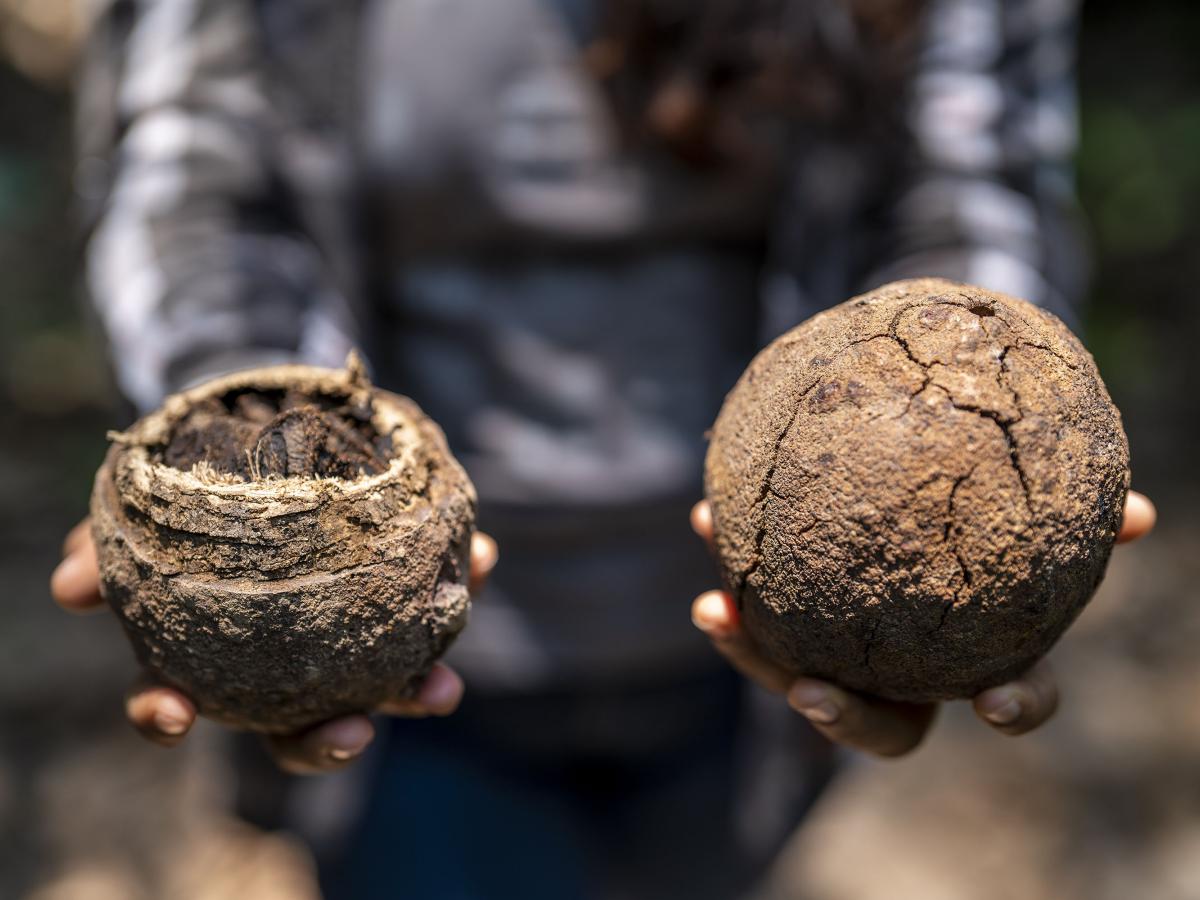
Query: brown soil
{"points": [[915, 492], [283, 433]]}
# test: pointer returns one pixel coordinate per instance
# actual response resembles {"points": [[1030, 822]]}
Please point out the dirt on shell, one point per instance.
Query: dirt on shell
{"points": [[915, 492]]}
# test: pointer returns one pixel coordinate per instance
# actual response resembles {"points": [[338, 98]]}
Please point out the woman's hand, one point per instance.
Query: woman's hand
{"points": [[871, 724], [165, 715]]}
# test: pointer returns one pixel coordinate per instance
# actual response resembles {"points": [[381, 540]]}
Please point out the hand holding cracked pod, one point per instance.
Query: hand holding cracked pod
{"points": [[917, 491], [285, 545]]}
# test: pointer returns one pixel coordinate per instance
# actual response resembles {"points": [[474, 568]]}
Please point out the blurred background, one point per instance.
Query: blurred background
{"points": [[1103, 803]]}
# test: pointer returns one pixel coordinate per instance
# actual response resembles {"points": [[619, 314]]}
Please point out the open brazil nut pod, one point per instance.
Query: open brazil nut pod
{"points": [[286, 544]]}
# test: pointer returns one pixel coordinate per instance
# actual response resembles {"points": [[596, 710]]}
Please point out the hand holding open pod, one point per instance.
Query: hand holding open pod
{"points": [[285, 545]]}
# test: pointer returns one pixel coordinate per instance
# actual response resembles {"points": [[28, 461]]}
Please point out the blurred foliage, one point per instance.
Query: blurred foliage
{"points": [[50, 363], [1139, 168], [1139, 183]]}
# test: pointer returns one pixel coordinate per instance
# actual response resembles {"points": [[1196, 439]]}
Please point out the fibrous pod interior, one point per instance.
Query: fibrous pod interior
{"points": [[285, 545]]}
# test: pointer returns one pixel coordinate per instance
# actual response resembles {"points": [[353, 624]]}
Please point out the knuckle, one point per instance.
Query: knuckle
{"points": [[292, 757], [293, 766], [899, 749], [896, 741]]}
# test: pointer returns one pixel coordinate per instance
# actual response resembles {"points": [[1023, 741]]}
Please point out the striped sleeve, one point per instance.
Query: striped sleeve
{"points": [[198, 258], [987, 195]]}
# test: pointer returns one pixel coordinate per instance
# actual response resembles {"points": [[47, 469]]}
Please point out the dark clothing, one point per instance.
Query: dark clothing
{"points": [[537, 797]]}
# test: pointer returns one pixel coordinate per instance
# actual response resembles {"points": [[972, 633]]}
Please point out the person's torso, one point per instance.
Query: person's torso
{"points": [[570, 310], [569, 306]]}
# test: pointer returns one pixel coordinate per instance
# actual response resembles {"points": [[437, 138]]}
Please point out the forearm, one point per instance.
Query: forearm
{"points": [[988, 195], [197, 259], [180, 307]]}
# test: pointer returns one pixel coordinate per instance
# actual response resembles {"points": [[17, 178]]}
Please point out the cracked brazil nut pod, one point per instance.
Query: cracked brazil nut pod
{"points": [[915, 493], [285, 545]]}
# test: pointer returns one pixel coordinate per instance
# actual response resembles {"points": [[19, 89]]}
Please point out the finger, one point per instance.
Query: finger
{"points": [[1140, 516], [715, 614], [1020, 706], [327, 747], [76, 537], [439, 695], [75, 583], [702, 522], [873, 725], [161, 714], [484, 556]]}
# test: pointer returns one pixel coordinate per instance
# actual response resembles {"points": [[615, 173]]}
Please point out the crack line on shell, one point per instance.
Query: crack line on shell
{"points": [[951, 516], [1066, 362], [1020, 343], [893, 334], [1005, 425], [1002, 422], [764, 492], [913, 395], [765, 489]]}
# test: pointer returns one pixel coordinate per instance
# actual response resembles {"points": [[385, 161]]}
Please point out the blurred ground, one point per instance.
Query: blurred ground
{"points": [[1104, 803]]}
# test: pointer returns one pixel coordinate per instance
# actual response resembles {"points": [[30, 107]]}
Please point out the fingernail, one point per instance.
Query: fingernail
{"points": [[709, 615], [349, 739], [66, 569], [439, 693], [1005, 714], [814, 704], [171, 718], [822, 713]]}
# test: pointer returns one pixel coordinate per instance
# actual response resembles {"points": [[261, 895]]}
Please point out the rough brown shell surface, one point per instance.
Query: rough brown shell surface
{"points": [[283, 602], [915, 493]]}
